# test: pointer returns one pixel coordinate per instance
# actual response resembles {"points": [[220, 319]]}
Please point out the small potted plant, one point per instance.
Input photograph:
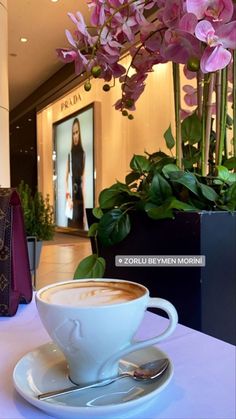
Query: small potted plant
{"points": [[39, 221]]}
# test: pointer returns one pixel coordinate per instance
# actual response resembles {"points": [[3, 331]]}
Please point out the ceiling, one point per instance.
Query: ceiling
{"points": [[43, 22]]}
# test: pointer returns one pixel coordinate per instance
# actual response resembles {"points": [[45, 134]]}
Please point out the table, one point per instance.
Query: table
{"points": [[203, 385]]}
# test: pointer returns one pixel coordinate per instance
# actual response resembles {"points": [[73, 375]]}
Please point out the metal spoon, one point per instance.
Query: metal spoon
{"points": [[145, 372]]}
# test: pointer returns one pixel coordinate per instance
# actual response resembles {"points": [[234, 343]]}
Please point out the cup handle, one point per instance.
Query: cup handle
{"points": [[173, 317]]}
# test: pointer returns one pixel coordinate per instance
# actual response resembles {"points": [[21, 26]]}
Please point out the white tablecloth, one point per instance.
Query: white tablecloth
{"points": [[203, 385]]}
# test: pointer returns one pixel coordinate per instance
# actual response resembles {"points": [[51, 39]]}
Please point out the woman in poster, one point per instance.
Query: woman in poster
{"points": [[74, 179]]}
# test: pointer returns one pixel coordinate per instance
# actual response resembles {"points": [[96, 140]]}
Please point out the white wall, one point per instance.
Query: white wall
{"points": [[4, 99]]}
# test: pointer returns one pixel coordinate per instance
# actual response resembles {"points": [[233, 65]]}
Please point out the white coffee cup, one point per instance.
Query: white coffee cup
{"points": [[93, 322]]}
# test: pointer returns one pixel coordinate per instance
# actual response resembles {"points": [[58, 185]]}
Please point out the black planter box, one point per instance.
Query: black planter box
{"points": [[205, 297]]}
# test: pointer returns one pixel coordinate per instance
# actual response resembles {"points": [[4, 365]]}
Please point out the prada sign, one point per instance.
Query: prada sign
{"points": [[71, 101]]}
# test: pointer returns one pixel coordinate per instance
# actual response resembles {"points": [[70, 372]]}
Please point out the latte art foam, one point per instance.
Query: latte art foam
{"points": [[91, 294]]}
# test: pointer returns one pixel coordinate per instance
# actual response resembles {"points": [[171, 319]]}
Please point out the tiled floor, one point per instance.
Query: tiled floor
{"points": [[60, 257]]}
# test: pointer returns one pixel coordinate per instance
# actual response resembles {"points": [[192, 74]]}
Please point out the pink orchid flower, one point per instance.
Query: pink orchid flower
{"points": [[190, 97], [152, 3], [151, 36], [67, 56], [172, 13], [98, 13], [79, 22], [189, 74], [178, 46], [215, 10], [132, 88], [216, 56], [109, 71], [127, 26], [143, 61], [188, 23], [83, 36], [110, 45]]}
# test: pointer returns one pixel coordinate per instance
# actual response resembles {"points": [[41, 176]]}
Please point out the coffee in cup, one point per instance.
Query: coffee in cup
{"points": [[88, 293], [94, 321]]}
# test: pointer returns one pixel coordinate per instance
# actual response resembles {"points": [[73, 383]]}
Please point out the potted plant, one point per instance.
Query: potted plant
{"points": [[39, 221], [195, 185]]}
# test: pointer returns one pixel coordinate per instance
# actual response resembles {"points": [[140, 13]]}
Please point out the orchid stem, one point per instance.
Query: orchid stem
{"points": [[204, 118], [208, 122], [223, 115], [199, 94], [176, 82], [199, 103], [218, 111], [234, 103]]}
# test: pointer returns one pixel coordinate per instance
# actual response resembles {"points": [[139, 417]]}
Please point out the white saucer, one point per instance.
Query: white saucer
{"points": [[45, 369]]}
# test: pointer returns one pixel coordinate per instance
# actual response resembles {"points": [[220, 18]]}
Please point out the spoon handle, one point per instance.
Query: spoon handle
{"points": [[72, 389], [145, 372]]}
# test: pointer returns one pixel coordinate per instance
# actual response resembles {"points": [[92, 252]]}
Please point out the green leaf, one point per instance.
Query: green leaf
{"points": [[232, 192], [218, 182], [160, 189], [132, 177], [158, 160], [191, 155], [187, 164], [208, 192], [161, 212], [230, 163], [232, 178], [122, 187], [158, 155], [180, 205], [140, 164], [223, 173], [186, 179], [158, 165], [110, 197], [93, 230], [90, 267], [166, 209], [170, 141], [148, 205], [230, 197], [97, 212], [168, 168], [113, 227], [198, 203], [191, 129]]}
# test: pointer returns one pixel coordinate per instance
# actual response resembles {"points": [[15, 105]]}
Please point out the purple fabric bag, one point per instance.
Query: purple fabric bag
{"points": [[15, 277]]}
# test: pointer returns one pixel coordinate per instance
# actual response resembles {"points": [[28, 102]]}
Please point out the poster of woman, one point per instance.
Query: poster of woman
{"points": [[74, 169], [75, 179]]}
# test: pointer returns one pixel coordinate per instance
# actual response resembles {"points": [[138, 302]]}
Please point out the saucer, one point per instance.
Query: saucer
{"points": [[45, 369]]}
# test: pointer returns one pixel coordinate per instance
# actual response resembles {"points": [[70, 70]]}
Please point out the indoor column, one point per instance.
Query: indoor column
{"points": [[4, 98]]}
